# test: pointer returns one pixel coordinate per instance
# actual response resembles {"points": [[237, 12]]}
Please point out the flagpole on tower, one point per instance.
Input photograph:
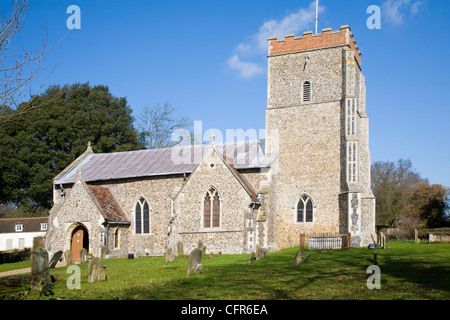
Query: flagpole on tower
{"points": [[317, 13]]}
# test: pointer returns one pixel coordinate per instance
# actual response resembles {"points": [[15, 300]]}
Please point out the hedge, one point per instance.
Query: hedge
{"points": [[15, 256]]}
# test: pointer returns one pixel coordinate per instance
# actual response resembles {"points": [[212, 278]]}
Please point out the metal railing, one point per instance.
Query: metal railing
{"points": [[326, 241]]}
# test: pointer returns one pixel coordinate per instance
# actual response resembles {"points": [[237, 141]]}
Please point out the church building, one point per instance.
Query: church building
{"points": [[310, 175]]}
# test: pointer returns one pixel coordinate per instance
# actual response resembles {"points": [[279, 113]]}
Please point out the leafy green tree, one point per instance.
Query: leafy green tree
{"points": [[428, 204], [35, 147]]}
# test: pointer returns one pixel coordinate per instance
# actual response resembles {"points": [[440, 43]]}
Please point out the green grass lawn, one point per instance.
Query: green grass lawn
{"points": [[14, 265], [408, 271]]}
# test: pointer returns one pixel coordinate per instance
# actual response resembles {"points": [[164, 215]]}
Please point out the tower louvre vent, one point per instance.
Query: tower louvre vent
{"points": [[306, 92]]}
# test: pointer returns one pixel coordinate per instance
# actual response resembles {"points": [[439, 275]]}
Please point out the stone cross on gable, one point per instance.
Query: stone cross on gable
{"points": [[212, 136]]}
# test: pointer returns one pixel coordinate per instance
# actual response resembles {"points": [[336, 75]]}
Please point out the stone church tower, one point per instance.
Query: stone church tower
{"points": [[316, 122], [311, 175]]}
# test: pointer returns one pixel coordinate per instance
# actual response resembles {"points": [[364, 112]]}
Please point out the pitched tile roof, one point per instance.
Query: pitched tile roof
{"points": [[153, 162], [108, 204]]}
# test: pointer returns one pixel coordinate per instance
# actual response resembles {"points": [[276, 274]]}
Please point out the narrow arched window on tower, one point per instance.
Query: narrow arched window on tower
{"points": [[306, 91], [305, 209], [211, 209]]}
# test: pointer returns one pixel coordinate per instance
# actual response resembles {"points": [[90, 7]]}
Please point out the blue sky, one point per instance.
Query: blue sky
{"points": [[208, 60]]}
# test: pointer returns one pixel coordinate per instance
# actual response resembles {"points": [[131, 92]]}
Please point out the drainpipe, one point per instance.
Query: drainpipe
{"points": [[106, 224]]}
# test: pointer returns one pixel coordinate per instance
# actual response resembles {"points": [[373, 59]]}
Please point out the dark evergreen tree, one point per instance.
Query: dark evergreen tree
{"points": [[36, 146]]}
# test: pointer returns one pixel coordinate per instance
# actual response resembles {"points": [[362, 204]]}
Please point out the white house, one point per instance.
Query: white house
{"points": [[18, 233]]}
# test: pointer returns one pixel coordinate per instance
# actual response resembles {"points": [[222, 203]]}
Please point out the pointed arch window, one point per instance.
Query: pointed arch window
{"points": [[305, 209], [117, 238], [211, 209], [142, 217]]}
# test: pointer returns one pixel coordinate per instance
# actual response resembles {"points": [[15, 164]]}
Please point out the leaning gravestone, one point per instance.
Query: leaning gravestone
{"points": [[298, 260], [54, 260], [96, 270], [40, 274], [194, 266], [69, 257]]}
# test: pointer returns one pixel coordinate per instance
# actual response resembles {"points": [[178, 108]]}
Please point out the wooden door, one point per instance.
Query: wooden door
{"points": [[77, 242]]}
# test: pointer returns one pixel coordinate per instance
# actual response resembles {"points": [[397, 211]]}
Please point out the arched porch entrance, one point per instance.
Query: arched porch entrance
{"points": [[79, 240]]}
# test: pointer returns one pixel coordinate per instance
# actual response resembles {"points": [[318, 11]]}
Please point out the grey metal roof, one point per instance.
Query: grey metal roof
{"points": [[165, 161]]}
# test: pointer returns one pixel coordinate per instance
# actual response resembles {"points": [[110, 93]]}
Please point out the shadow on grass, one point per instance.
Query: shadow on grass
{"points": [[406, 273]]}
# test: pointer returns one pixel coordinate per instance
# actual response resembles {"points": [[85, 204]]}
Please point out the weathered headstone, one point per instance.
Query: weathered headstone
{"points": [[258, 253], [302, 240], [201, 245], [252, 258], [180, 249], [383, 240], [298, 259], [83, 255], [69, 257], [416, 236], [169, 255], [138, 252], [291, 244], [96, 270], [103, 252], [40, 274], [194, 266], [54, 260]]}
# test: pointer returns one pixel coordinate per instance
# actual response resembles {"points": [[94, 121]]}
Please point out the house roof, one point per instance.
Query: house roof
{"points": [[155, 162], [108, 204], [31, 224]]}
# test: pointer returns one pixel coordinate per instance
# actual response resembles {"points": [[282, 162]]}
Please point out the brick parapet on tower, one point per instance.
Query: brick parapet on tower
{"points": [[310, 41]]}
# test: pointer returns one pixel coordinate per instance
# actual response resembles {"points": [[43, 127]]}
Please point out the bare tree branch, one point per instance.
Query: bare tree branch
{"points": [[157, 124], [13, 67]]}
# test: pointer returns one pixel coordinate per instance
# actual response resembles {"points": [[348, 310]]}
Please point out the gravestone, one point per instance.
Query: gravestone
{"points": [[103, 252], [291, 244], [83, 255], [69, 257], [416, 236], [40, 274], [96, 270], [201, 246], [302, 240], [138, 252], [169, 255], [180, 249], [252, 258], [194, 266], [258, 253], [54, 260], [298, 259]]}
